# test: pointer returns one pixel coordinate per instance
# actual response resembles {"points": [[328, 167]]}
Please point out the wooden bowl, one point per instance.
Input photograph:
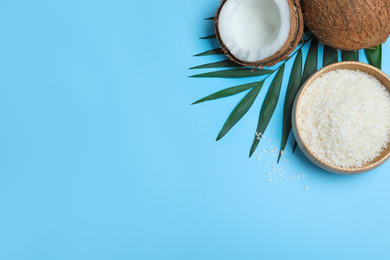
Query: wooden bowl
{"points": [[381, 76]]}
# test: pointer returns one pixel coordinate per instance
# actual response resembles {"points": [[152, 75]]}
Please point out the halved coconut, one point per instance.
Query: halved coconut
{"points": [[258, 33]]}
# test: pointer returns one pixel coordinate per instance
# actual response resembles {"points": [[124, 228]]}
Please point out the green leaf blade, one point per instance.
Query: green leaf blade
{"points": [[374, 56], [293, 87], [268, 107], [350, 55], [219, 64], [234, 73], [208, 37], [240, 110], [210, 52], [330, 56], [295, 147], [227, 92], [311, 61], [310, 67]]}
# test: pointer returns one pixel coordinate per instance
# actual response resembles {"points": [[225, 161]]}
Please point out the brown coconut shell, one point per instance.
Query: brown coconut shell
{"points": [[348, 24], [295, 35]]}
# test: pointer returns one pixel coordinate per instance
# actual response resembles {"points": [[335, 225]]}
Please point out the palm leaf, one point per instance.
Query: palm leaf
{"points": [[350, 55], [240, 110], [293, 87], [268, 107], [234, 73], [295, 146], [219, 64], [210, 52], [330, 56], [227, 92], [374, 56], [310, 67], [208, 37], [311, 61]]}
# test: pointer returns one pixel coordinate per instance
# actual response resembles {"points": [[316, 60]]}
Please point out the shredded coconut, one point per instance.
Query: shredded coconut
{"points": [[345, 118]]}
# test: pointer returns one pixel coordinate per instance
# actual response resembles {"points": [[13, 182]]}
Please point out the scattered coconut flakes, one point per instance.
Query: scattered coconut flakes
{"points": [[250, 122], [273, 150], [305, 188], [268, 180]]}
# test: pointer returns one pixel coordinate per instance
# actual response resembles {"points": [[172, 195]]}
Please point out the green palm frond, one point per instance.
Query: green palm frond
{"points": [[374, 56], [227, 92], [292, 89], [234, 73], [208, 37], [311, 66], [295, 80], [241, 109], [268, 108], [219, 64], [330, 56], [350, 55], [210, 52]]}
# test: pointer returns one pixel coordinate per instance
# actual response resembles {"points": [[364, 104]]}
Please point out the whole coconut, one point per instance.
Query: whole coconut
{"points": [[348, 24]]}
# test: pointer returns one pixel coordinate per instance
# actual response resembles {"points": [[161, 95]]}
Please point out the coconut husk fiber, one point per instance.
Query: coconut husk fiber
{"points": [[348, 24]]}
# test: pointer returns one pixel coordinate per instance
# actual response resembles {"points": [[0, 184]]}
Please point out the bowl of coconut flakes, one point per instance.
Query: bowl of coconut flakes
{"points": [[341, 118]]}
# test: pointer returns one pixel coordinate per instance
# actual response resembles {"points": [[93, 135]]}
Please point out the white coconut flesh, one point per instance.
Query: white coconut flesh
{"points": [[254, 30]]}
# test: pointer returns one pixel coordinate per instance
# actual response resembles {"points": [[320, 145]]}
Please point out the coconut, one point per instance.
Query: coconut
{"points": [[257, 33], [348, 24]]}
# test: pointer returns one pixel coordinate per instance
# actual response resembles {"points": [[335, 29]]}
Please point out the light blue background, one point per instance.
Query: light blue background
{"points": [[103, 157]]}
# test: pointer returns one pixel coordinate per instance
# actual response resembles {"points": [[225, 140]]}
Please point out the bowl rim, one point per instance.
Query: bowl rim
{"points": [[296, 128]]}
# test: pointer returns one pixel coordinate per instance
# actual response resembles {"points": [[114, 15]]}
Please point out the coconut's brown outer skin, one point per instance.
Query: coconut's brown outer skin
{"points": [[348, 24], [295, 35]]}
